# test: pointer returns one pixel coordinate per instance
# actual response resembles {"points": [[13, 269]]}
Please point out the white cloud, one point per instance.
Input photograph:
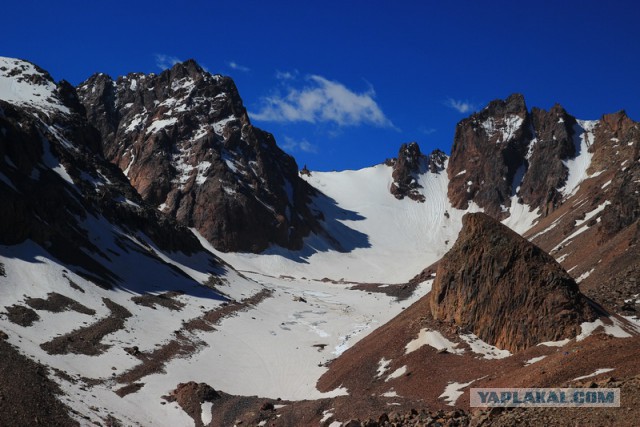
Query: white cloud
{"points": [[292, 145], [286, 75], [234, 65], [323, 100], [459, 105], [427, 131], [165, 61]]}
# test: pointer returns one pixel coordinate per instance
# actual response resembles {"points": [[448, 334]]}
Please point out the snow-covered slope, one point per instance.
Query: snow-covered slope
{"points": [[26, 85], [275, 347], [384, 239], [87, 376]]}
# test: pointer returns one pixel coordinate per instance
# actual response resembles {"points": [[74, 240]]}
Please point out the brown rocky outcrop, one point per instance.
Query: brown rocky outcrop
{"points": [[190, 396], [506, 290], [554, 133], [505, 151], [617, 147], [184, 140], [488, 149], [409, 164]]}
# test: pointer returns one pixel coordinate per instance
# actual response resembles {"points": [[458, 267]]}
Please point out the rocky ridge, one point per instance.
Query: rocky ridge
{"points": [[506, 154], [594, 231], [185, 141], [488, 149], [55, 182], [407, 167]]}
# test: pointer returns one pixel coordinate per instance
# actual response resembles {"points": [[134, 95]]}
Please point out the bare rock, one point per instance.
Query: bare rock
{"points": [[407, 167], [488, 149], [190, 396], [506, 290], [555, 133], [184, 140]]}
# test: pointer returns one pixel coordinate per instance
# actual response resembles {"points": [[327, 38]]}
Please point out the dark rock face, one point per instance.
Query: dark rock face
{"points": [[617, 147], [554, 141], [488, 149], [505, 151], [506, 290], [184, 140], [54, 179], [408, 165], [437, 160]]}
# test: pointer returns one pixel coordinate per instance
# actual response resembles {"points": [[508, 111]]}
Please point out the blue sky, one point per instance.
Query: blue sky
{"points": [[341, 84]]}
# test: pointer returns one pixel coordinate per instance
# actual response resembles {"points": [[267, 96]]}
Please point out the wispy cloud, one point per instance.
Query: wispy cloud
{"points": [[165, 61], [287, 75], [427, 131], [459, 105], [323, 100], [235, 66], [293, 145]]}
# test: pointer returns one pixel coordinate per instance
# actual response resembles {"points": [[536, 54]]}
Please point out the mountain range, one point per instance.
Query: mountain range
{"points": [[164, 262]]}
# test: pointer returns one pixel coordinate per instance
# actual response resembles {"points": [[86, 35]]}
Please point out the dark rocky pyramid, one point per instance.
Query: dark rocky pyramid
{"points": [[184, 140], [506, 290]]}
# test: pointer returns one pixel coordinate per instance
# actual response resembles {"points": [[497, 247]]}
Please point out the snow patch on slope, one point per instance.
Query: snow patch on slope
{"points": [[22, 84], [596, 373], [433, 339], [534, 360], [397, 373], [615, 328], [158, 125], [506, 130], [583, 139], [453, 391], [487, 351]]}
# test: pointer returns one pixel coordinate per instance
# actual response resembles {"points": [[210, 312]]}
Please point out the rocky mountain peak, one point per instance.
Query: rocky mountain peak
{"points": [[407, 167], [505, 154], [26, 85], [618, 122], [513, 104], [506, 290], [184, 140], [488, 149], [188, 68], [56, 187], [502, 120], [437, 161]]}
